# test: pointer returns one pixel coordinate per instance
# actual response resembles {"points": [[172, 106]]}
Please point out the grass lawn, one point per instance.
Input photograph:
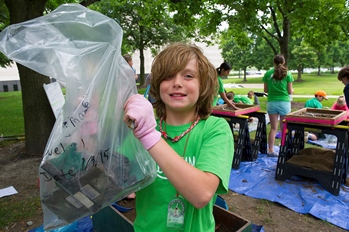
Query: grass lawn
{"points": [[309, 84]]}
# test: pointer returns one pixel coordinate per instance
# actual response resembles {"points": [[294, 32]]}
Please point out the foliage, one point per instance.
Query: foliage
{"points": [[146, 24], [273, 20], [239, 57]]}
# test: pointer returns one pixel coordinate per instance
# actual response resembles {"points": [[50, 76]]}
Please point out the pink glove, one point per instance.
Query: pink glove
{"points": [[139, 109]]}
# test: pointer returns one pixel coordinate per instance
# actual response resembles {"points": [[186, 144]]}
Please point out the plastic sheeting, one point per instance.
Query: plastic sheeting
{"points": [[257, 180], [92, 158]]}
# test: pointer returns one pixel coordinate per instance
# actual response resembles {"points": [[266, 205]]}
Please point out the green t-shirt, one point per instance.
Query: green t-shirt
{"points": [[220, 90], [313, 103], [210, 148], [277, 90], [242, 99]]}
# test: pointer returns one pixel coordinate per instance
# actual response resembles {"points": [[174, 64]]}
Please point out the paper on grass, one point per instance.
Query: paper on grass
{"points": [[7, 191]]}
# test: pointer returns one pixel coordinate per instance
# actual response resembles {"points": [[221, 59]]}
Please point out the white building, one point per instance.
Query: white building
{"points": [[9, 79]]}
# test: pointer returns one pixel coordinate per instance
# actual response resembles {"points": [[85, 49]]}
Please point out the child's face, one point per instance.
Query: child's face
{"points": [[225, 73], [341, 103], [319, 98], [181, 92]]}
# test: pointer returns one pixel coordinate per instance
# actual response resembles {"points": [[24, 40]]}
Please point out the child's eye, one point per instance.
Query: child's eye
{"points": [[188, 76]]}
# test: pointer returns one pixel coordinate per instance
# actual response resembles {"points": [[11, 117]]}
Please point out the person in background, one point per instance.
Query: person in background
{"points": [[278, 85], [315, 102], [223, 70], [253, 97], [148, 85], [343, 76], [192, 149], [129, 60], [239, 98], [340, 104]]}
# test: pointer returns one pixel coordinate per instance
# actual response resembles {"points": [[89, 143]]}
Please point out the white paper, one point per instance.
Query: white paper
{"points": [[7, 191], [55, 97]]}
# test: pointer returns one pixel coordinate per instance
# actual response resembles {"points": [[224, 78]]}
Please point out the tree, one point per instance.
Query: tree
{"points": [[303, 56], [239, 57], [146, 24], [38, 115], [273, 20]]}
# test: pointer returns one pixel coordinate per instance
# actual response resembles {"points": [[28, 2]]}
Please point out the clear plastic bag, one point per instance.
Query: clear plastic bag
{"points": [[92, 158]]}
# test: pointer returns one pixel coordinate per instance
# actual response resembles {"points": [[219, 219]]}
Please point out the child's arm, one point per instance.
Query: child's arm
{"points": [[187, 179], [289, 88], [227, 101]]}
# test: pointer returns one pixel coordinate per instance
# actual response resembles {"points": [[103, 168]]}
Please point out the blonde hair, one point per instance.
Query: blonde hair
{"points": [[127, 57], [172, 60], [341, 100]]}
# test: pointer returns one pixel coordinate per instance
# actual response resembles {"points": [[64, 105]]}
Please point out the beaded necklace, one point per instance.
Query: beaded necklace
{"points": [[177, 138]]}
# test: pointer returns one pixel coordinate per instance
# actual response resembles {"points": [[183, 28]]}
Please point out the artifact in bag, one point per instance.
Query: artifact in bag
{"points": [[84, 192]]}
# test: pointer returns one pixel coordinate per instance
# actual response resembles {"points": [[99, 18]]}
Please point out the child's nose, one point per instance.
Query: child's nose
{"points": [[177, 81]]}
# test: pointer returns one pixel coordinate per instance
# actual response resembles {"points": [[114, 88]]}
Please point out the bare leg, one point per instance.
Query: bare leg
{"points": [[282, 118], [273, 129]]}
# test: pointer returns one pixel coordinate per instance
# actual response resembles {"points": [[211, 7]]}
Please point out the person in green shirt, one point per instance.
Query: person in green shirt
{"points": [[239, 98], [278, 85], [315, 102], [223, 70], [193, 150]]}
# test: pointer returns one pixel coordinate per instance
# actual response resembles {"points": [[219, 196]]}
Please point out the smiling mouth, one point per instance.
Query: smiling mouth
{"points": [[177, 95]]}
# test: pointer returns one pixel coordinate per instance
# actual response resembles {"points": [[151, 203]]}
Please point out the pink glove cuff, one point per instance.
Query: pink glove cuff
{"points": [[151, 139]]}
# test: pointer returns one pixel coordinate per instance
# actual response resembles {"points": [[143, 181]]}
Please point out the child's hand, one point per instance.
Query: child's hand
{"points": [[140, 111]]}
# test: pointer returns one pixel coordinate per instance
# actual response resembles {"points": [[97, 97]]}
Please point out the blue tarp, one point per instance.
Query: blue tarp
{"points": [[257, 180]]}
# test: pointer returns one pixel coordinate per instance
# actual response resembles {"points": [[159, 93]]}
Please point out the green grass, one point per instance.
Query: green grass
{"points": [[11, 115], [13, 210], [309, 84]]}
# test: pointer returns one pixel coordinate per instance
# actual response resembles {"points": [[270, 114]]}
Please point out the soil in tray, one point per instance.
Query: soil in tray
{"points": [[317, 115], [314, 158]]}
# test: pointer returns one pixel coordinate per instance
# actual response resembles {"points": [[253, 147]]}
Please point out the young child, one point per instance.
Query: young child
{"points": [[340, 104], [315, 102], [223, 70], [193, 163], [278, 85], [239, 98], [253, 97], [343, 76]]}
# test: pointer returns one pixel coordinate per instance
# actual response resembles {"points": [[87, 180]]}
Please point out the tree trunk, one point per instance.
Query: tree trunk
{"points": [[284, 40], [245, 70], [38, 115], [142, 74], [299, 73], [318, 70], [37, 112]]}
